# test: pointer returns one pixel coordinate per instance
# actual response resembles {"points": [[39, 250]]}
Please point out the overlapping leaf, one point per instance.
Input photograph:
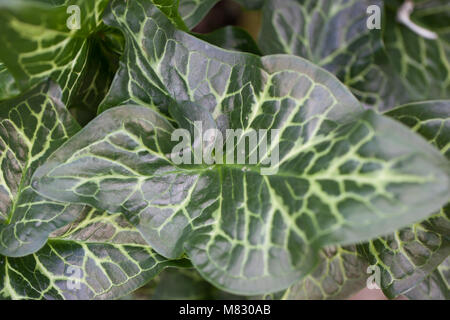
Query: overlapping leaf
{"points": [[251, 4], [37, 42], [32, 126], [435, 287], [423, 64], [243, 230], [101, 67], [433, 14], [119, 163], [232, 38], [176, 66], [99, 257], [341, 273], [193, 11], [411, 254], [171, 9], [334, 35]]}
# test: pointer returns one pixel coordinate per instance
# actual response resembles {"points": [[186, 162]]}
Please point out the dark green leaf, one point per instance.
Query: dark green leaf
{"points": [[193, 11], [334, 35], [198, 208], [337, 182], [38, 44], [232, 38], [99, 257], [341, 273], [423, 64], [431, 119], [408, 256], [435, 287], [32, 126], [170, 8], [252, 4], [433, 14]]}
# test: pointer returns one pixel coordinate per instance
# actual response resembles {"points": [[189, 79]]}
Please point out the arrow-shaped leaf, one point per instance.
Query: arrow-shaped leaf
{"points": [[409, 255], [232, 38]]}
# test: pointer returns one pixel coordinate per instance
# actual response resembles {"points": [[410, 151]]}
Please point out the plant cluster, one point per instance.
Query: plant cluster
{"points": [[92, 205]]}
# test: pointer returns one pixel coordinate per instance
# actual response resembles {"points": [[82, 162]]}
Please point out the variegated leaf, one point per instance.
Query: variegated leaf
{"points": [[423, 64], [193, 11], [435, 287], [32, 126], [37, 43], [8, 87], [409, 255], [341, 177], [336, 36], [341, 273], [99, 257], [198, 209]]}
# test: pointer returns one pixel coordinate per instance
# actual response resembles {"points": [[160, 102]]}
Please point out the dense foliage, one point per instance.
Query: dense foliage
{"points": [[93, 206]]}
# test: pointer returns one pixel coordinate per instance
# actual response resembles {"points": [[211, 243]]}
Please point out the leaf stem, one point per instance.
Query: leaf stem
{"points": [[404, 16]]}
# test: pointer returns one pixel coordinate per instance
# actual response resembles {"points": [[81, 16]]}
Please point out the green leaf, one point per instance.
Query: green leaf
{"points": [[38, 43], [193, 11], [332, 34], [99, 257], [252, 4], [8, 87], [341, 273], [348, 190], [232, 38], [170, 8], [101, 67], [423, 64], [435, 287], [114, 41], [337, 182], [187, 284], [335, 36], [431, 119], [433, 14], [179, 284], [409, 255], [177, 66], [32, 126]]}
